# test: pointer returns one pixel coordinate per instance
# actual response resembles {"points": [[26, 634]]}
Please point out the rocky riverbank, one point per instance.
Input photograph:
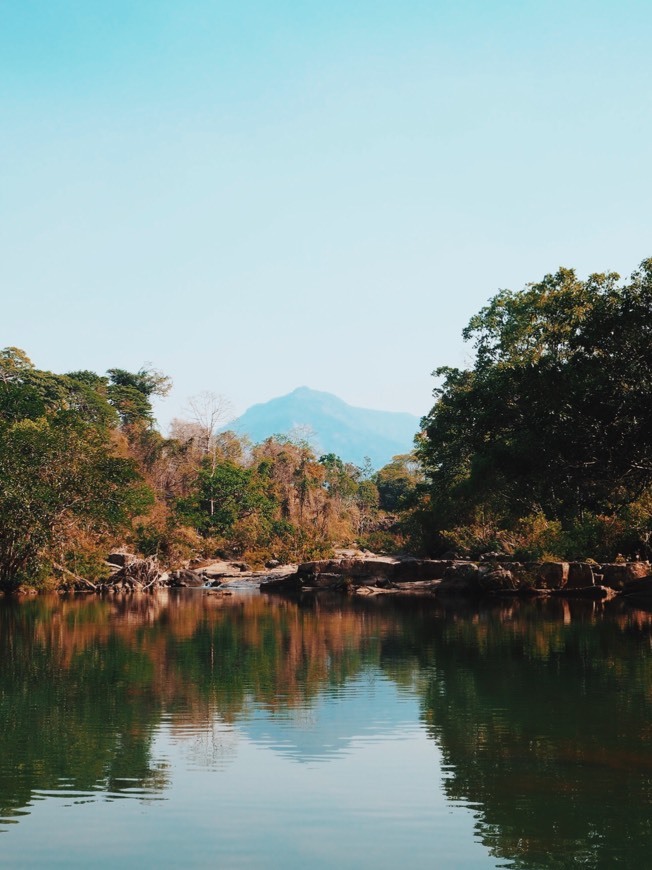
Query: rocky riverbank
{"points": [[374, 575], [358, 573]]}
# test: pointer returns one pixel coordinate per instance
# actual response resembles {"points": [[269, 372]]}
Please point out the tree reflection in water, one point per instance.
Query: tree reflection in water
{"points": [[542, 710]]}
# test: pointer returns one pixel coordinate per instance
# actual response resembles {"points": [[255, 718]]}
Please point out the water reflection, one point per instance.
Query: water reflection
{"points": [[541, 711]]}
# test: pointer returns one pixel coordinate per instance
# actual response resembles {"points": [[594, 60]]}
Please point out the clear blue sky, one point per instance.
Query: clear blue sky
{"points": [[253, 196]]}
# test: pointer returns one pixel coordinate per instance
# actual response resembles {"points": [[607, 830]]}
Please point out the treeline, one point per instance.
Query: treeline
{"points": [[543, 447], [83, 468]]}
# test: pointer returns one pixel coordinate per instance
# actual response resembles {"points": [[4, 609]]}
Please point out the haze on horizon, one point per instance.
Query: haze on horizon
{"points": [[256, 196]]}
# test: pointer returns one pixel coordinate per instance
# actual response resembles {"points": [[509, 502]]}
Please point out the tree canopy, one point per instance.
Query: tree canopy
{"points": [[555, 414]]}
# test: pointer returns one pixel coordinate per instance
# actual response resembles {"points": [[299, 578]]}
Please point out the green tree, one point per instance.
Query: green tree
{"points": [[397, 482], [131, 393], [555, 414], [60, 475], [225, 493]]}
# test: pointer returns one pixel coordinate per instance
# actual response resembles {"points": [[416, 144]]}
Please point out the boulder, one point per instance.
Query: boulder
{"points": [[618, 575], [330, 581], [497, 580], [326, 566], [450, 556], [551, 575], [493, 556], [461, 578], [185, 579], [638, 587], [348, 567], [284, 583], [419, 569], [580, 575]]}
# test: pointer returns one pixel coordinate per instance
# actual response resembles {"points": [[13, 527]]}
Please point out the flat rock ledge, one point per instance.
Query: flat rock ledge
{"points": [[368, 575], [131, 573], [380, 575]]}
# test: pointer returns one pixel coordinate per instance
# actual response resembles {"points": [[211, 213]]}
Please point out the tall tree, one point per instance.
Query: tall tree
{"points": [[555, 414], [60, 474]]}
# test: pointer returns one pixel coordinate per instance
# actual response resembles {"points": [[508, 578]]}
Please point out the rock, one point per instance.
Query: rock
{"points": [[215, 571], [460, 579], [317, 567], [121, 559], [552, 575], [638, 587], [185, 579], [285, 583], [491, 557], [348, 568], [330, 581], [498, 580], [419, 569], [272, 563], [596, 593], [580, 575], [618, 575]]}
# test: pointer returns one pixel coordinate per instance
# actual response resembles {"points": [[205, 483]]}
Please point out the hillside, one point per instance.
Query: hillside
{"points": [[335, 427]]}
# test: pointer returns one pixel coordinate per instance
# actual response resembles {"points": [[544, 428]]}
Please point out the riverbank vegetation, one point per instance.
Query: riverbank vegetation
{"points": [[541, 449], [83, 468], [544, 445]]}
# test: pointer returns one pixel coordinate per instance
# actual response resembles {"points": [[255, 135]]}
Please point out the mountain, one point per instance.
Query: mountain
{"points": [[332, 426]]}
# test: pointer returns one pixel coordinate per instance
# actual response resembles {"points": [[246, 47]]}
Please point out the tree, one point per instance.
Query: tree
{"points": [[131, 393], [556, 412], [209, 411], [60, 475], [226, 493], [397, 482]]}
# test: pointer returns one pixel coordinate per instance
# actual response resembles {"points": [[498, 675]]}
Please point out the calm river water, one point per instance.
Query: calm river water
{"points": [[187, 730]]}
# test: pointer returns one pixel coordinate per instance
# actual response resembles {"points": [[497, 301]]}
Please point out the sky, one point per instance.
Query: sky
{"points": [[253, 196]]}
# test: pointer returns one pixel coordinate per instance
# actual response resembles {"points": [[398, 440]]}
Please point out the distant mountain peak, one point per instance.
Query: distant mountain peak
{"points": [[352, 433]]}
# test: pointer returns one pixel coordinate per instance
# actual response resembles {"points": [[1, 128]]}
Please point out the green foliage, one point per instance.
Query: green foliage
{"points": [[554, 417], [130, 393], [397, 482], [147, 381], [56, 476], [62, 480], [225, 494]]}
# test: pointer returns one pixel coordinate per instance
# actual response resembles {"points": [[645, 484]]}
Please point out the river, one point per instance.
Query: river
{"points": [[192, 730]]}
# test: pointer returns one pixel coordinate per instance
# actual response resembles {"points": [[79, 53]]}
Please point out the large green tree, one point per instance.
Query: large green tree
{"points": [[555, 414], [61, 477]]}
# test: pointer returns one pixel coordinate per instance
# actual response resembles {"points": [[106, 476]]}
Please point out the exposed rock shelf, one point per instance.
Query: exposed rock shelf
{"points": [[456, 577]]}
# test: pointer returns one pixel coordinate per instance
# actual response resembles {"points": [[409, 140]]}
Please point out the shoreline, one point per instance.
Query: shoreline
{"points": [[366, 574]]}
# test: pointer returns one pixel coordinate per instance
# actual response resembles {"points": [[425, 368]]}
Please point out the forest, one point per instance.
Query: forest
{"points": [[83, 469], [541, 449]]}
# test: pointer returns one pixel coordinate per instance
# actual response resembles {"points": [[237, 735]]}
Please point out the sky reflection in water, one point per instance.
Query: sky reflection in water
{"points": [[246, 732]]}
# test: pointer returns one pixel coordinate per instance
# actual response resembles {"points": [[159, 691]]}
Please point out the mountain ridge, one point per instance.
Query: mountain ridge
{"points": [[352, 433]]}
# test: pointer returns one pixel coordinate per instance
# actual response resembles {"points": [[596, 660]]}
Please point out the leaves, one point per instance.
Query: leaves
{"points": [[556, 412]]}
